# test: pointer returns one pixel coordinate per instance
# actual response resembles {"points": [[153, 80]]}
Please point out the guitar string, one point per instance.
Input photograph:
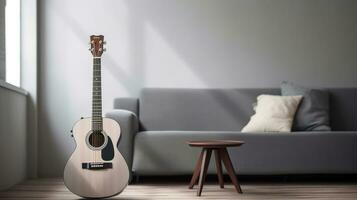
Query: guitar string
{"points": [[99, 116], [94, 116], [97, 73], [97, 124], [93, 123], [96, 128]]}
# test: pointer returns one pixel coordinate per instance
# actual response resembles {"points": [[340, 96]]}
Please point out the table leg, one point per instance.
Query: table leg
{"points": [[196, 172], [228, 164], [219, 167], [203, 172]]}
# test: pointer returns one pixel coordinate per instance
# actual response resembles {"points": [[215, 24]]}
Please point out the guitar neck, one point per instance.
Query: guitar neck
{"points": [[97, 120]]}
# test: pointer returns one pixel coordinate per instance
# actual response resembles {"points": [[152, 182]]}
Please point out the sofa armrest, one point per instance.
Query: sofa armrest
{"points": [[129, 126]]}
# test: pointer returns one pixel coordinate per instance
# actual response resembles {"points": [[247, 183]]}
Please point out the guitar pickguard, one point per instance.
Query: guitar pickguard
{"points": [[108, 151]]}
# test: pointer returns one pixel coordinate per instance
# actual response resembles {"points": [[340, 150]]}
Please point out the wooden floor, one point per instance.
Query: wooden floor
{"points": [[54, 189]]}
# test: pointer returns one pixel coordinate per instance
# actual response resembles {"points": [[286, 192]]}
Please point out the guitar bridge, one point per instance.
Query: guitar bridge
{"points": [[97, 165]]}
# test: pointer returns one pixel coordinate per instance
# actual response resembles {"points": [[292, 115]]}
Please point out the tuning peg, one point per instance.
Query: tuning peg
{"points": [[105, 42], [104, 49], [91, 49]]}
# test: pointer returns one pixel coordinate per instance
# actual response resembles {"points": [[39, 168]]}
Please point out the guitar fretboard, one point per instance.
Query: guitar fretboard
{"points": [[97, 121]]}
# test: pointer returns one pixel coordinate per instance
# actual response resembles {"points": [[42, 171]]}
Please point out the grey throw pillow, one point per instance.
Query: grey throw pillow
{"points": [[313, 112]]}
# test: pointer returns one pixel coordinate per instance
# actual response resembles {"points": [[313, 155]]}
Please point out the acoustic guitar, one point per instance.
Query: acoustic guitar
{"points": [[96, 169]]}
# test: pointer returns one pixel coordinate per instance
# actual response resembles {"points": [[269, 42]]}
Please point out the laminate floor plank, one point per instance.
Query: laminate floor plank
{"points": [[46, 189]]}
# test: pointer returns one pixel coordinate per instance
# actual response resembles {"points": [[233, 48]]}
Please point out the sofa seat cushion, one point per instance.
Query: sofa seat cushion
{"points": [[166, 152]]}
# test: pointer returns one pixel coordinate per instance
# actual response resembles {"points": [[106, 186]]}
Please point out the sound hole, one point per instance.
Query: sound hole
{"points": [[96, 139]]}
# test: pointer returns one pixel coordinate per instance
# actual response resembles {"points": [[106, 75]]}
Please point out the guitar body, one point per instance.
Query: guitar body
{"points": [[96, 169]]}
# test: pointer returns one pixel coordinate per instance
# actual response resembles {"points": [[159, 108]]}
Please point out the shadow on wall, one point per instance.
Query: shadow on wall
{"points": [[196, 33], [132, 81], [252, 41], [258, 43]]}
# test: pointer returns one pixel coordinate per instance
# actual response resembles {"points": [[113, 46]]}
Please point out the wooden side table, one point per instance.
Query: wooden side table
{"points": [[219, 147]]}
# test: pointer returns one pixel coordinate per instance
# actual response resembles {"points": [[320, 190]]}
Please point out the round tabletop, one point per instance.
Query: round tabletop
{"points": [[215, 143]]}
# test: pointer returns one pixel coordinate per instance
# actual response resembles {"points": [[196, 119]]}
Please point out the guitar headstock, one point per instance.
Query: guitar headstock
{"points": [[97, 45]]}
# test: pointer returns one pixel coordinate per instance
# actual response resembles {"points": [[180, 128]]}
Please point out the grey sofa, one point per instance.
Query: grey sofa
{"points": [[156, 125]]}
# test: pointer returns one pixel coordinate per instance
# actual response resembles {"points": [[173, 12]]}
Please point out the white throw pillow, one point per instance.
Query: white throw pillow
{"points": [[273, 114]]}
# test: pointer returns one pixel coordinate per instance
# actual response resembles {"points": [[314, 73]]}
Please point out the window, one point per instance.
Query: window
{"points": [[12, 41]]}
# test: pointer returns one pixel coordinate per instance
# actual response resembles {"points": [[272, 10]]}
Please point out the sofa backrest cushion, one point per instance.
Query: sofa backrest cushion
{"points": [[197, 109], [343, 109], [226, 109]]}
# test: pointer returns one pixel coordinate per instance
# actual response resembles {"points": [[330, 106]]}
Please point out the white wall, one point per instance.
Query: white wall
{"points": [[13, 136], [184, 43]]}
